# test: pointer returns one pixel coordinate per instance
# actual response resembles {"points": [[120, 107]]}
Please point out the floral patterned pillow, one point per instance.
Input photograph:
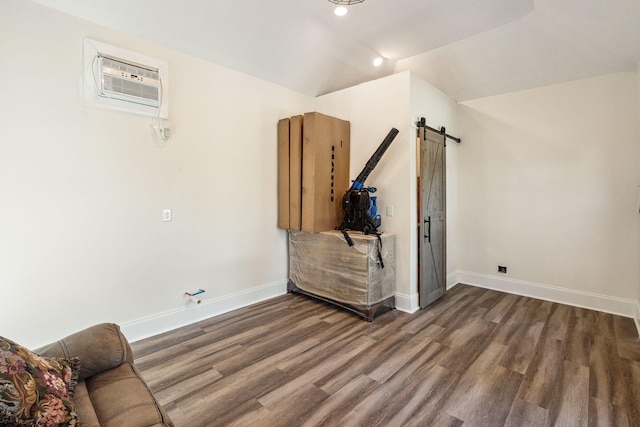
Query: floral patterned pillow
{"points": [[35, 390]]}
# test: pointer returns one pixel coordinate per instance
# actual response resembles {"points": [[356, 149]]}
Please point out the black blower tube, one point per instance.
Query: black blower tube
{"points": [[358, 184]]}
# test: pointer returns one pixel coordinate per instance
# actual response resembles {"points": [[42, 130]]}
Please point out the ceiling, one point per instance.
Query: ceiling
{"points": [[467, 48]]}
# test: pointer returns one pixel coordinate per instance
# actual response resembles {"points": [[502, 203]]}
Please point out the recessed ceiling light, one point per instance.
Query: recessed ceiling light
{"points": [[378, 61], [340, 11]]}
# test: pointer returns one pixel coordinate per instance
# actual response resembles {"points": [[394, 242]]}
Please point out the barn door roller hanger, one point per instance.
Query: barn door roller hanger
{"points": [[422, 123]]}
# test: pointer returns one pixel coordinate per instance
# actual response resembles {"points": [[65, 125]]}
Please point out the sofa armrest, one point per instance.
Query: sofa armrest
{"points": [[99, 348], [120, 397]]}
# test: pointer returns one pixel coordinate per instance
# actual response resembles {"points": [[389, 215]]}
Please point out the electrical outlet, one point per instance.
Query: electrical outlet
{"points": [[166, 215], [502, 269]]}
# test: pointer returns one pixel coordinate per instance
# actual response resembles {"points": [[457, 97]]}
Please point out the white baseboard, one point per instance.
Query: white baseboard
{"points": [[411, 303], [407, 303], [192, 313], [614, 305], [452, 280], [163, 322]]}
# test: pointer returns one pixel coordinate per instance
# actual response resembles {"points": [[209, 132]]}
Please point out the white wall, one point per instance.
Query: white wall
{"points": [[82, 189], [373, 109], [548, 187]]}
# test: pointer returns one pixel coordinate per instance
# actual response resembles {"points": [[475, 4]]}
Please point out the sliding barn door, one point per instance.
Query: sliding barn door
{"points": [[433, 249]]}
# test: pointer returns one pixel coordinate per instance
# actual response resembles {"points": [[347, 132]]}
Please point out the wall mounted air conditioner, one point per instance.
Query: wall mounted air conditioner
{"points": [[124, 80], [129, 82]]}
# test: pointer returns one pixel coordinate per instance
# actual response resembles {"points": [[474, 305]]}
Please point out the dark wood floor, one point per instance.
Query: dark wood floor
{"points": [[477, 357]]}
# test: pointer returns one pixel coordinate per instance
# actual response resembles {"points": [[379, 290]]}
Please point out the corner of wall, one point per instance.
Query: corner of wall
{"points": [[407, 303]]}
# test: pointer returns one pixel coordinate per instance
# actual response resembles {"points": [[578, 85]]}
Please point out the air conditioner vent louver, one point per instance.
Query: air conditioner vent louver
{"points": [[129, 82]]}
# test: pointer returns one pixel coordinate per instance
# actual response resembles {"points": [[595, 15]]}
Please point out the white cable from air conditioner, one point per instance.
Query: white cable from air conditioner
{"points": [[161, 132]]}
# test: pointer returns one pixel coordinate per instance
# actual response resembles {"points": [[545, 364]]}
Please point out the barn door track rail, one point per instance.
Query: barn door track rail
{"points": [[422, 123]]}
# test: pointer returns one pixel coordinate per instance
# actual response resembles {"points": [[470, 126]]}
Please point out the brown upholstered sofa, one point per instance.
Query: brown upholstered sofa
{"points": [[110, 391]]}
